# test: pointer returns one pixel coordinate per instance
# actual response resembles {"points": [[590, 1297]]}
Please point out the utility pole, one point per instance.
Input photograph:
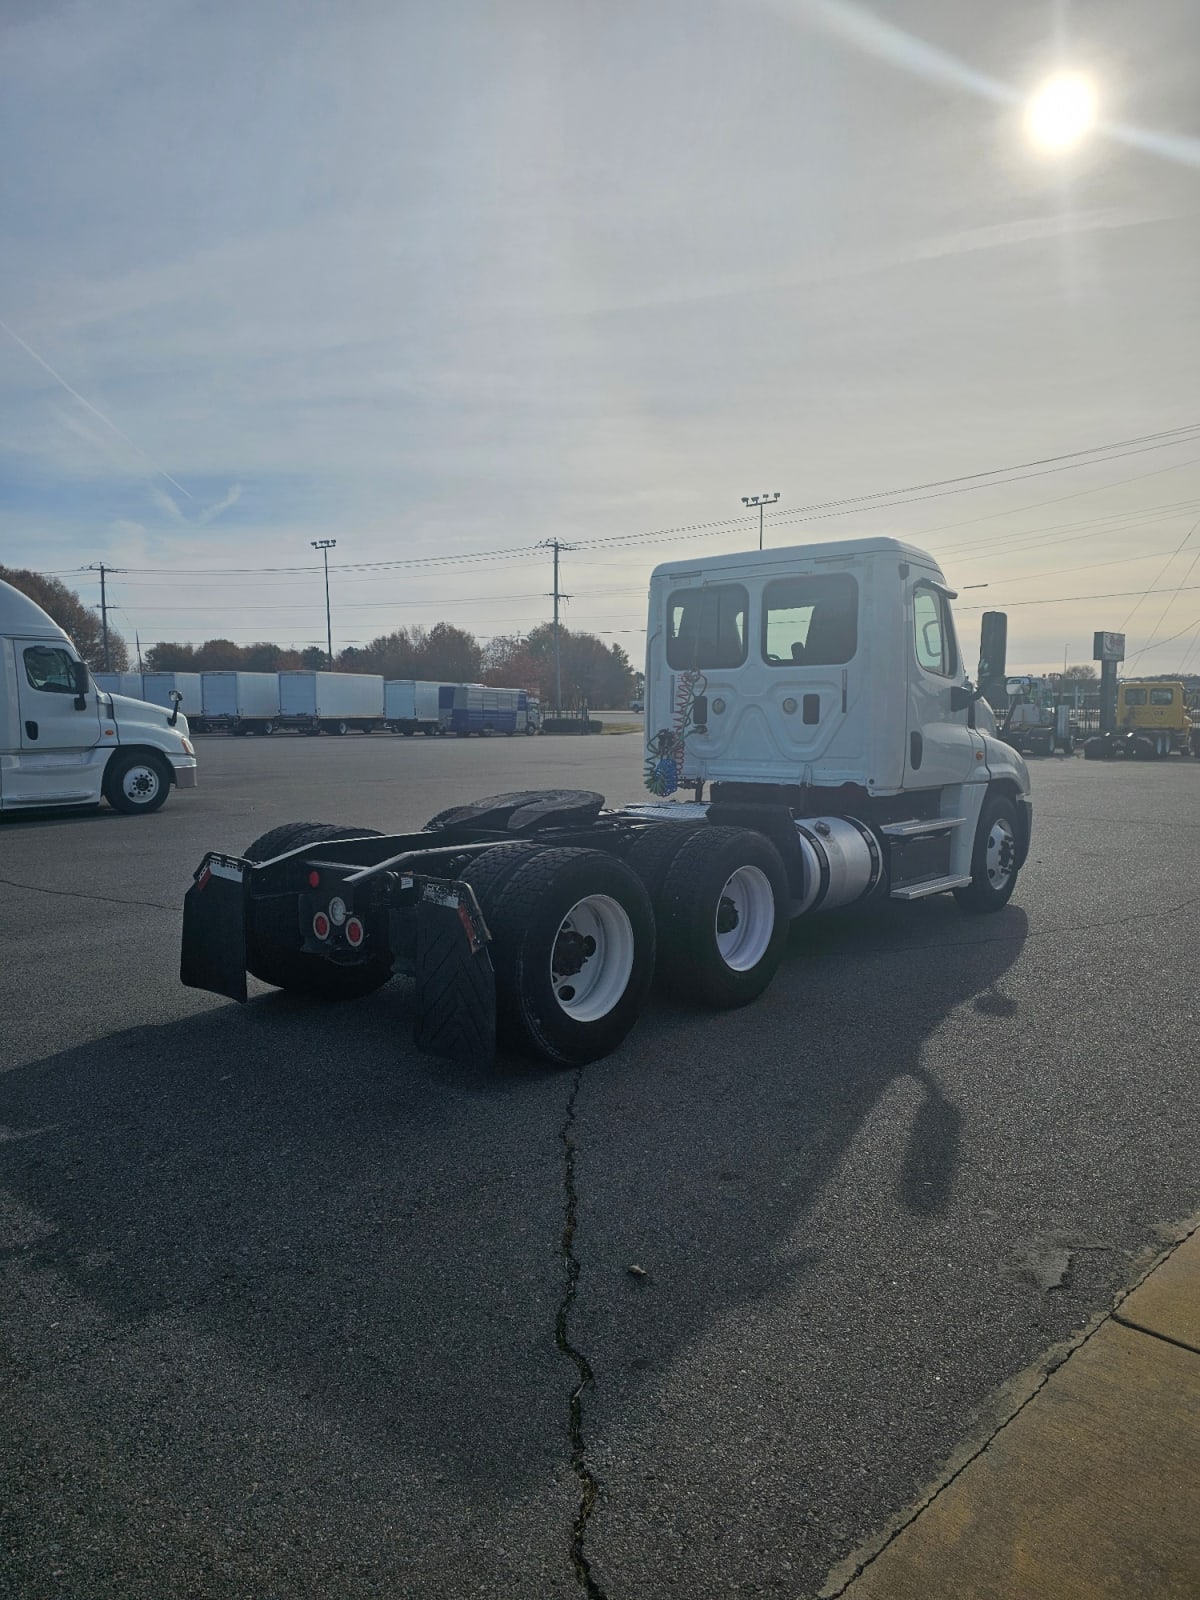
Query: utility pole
{"points": [[98, 566], [325, 546], [556, 545], [760, 500]]}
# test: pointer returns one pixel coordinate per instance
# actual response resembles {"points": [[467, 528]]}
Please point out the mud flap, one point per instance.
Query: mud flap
{"points": [[214, 930], [456, 987]]}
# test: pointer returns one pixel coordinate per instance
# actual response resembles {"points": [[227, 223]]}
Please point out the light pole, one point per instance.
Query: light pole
{"points": [[760, 500], [325, 546]]}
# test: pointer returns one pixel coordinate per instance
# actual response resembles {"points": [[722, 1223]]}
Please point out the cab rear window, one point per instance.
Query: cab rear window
{"points": [[706, 628], [810, 621], [1162, 697], [1135, 697]]}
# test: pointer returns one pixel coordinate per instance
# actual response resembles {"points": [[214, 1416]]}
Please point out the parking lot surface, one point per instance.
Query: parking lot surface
{"points": [[285, 1309]]}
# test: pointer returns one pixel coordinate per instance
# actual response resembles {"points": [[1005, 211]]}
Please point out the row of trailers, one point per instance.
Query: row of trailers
{"points": [[329, 702]]}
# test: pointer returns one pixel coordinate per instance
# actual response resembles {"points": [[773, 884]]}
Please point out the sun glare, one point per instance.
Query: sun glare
{"points": [[1061, 113]]}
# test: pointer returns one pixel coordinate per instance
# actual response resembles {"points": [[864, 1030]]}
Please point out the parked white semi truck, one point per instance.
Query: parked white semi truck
{"points": [[818, 694], [63, 742]]}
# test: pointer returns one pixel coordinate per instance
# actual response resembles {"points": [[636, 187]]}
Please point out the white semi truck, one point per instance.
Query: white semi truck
{"points": [[63, 741], [818, 694], [331, 702]]}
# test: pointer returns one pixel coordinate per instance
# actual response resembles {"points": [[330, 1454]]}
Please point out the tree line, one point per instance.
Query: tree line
{"points": [[593, 673]]}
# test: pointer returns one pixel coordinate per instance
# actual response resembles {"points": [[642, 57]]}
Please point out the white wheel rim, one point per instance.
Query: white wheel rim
{"points": [[745, 918], [592, 959], [141, 784], [1001, 852]]}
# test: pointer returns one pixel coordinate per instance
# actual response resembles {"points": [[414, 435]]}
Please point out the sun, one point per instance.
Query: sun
{"points": [[1062, 112]]}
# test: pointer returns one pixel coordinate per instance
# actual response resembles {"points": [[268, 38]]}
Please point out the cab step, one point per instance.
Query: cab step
{"points": [[920, 825], [918, 891]]}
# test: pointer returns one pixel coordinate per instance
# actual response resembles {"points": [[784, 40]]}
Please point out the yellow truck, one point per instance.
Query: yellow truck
{"points": [[1152, 720]]}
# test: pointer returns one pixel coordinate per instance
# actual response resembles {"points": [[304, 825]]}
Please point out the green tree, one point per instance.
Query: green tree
{"points": [[218, 655], [169, 657], [450, 655], [73, 617]]}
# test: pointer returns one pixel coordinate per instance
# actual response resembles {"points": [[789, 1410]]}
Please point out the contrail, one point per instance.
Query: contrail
{"points": [[96, 412]]}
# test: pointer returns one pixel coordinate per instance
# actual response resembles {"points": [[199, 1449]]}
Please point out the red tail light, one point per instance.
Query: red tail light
{"points": [[320, 925], [355, 933]]}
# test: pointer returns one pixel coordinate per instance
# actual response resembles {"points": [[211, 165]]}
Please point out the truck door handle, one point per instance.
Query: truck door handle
{"points": [[31, 730]]}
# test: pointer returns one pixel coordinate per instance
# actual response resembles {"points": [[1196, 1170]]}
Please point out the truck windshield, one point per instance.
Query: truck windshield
{"points": [[707, 627], [810, 621]]}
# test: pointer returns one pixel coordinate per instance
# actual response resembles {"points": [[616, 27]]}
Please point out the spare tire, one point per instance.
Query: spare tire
{"points": [[273, 952], [524, 811], [572, 947]]}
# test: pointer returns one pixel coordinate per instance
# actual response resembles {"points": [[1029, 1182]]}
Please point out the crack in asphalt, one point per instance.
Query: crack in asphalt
{"points": [[588, 1484], [81, 894]]}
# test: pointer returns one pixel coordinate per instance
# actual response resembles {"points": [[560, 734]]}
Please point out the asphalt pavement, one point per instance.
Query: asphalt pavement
{"points": [[284, 1305]]}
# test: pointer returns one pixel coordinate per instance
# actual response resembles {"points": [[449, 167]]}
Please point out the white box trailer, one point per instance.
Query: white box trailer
{"points": [[239, 702], [331, 702], [157, 687], [127, 683], [410, 705]]}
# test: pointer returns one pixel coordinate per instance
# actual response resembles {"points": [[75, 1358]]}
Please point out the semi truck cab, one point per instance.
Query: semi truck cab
{"points": [[63, 741]]}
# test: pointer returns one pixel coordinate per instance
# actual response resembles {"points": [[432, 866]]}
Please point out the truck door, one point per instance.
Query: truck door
{"points": [[941, 747], [57, 742]]}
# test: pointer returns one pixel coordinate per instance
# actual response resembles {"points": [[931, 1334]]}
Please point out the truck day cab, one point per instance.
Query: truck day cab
{"points": [[63, 742], [820, 696]]}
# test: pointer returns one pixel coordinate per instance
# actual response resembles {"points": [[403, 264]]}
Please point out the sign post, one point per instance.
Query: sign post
{"points": [[1108, 649]]}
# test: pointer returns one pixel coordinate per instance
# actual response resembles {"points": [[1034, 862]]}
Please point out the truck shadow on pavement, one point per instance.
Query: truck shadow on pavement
{"points": [[318, 1261]]}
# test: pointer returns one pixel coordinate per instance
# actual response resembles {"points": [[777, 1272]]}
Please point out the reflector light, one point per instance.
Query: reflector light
{"points": [[337, 911], [355, 932], [321, 925], [314, 880]]}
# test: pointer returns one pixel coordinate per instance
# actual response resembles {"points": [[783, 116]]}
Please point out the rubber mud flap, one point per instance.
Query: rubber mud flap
{"points": [[456, 989], [524, 809], [214, 931]]}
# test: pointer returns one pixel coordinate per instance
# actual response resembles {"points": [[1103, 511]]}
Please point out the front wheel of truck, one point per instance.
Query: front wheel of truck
{"points": [[273, 952], [994, 859], [572, 946], [135, 783]]}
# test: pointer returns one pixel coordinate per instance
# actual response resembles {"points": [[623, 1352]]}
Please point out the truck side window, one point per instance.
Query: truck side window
{"points": [[1162, 697], [1135, 697], [811, 622], [49, 669], [933, 632], [707, 627]]}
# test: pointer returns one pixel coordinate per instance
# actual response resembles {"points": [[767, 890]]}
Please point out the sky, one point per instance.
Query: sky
{"points": [[445, 282]]}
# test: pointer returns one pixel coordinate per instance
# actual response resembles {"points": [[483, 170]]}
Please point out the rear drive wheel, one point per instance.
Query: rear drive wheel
{"points": [[136, 783], [273, 952], [652, 853], [994, 858], [722, 917], [573, 948]]}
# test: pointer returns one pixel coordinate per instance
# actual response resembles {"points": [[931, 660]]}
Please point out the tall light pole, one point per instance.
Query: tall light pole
{"points": [[325, 546], [760, 500]]}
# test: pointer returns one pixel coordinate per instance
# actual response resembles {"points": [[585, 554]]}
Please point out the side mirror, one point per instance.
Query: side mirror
{"points": [[82, 685], [963, 697], [178, 701]]}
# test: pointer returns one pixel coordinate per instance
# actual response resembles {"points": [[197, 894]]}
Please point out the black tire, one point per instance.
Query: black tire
{"points": [[136, 783], [652, 853], [991, 886], [694, 907], [273, 952], [527, 905], [267, 728], [1094, 750]]}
